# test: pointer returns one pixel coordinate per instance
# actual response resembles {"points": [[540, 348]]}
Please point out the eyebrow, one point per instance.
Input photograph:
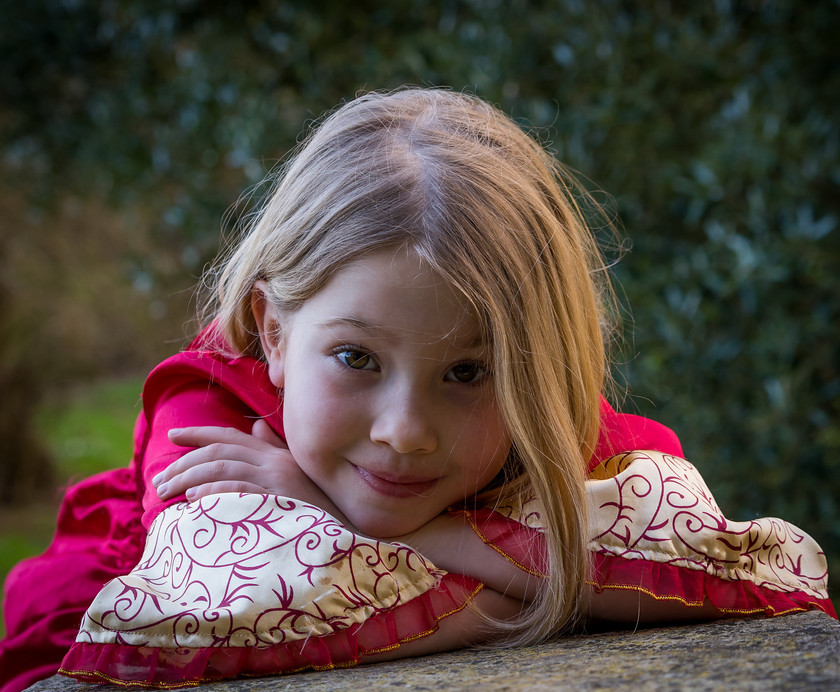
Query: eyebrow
{"points": [[354, 322], [378, 331]]}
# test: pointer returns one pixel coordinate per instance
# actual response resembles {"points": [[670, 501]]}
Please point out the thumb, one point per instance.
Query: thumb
{"points": [[262, 431]]}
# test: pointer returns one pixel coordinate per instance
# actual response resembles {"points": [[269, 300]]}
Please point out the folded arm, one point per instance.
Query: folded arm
{"points": [[452, 544], [226, 460]]}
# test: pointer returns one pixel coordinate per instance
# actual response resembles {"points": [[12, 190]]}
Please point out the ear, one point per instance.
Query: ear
{"points": [[269, 325]]}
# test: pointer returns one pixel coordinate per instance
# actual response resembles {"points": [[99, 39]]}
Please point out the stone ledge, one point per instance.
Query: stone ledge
{"points": [[793, 652]]}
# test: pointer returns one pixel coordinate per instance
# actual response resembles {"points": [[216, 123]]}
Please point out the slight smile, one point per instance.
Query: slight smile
{"points": [[395, 486]]}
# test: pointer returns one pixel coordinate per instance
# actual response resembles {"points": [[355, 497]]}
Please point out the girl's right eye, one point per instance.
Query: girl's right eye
{"points": [[355, 359]]}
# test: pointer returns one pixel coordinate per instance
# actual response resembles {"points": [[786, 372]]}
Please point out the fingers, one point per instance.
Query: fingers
{"points": [[213, 444], [201, 436], [191, 472], [205, 489], [263, 431], [222, 457], [217, 452]]}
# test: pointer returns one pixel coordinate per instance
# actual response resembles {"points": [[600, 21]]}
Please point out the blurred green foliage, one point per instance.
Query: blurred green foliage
{"points": [[87, 429], [713, 126]]}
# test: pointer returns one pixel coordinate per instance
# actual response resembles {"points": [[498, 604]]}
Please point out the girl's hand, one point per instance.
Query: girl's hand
{"points": [[230, 461]]}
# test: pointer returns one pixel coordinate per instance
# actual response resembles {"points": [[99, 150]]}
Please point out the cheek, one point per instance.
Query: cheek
{"points": [[314, 418], [487, 447]]}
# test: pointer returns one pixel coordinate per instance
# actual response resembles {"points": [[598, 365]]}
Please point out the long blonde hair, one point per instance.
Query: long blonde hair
{"points": [[458, 182]]}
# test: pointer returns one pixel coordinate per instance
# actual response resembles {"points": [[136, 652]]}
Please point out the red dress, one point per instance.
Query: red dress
{"points": [[642, 539]]}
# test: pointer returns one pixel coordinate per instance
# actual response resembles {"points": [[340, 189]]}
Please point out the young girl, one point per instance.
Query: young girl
{"points": [[391, 438]]}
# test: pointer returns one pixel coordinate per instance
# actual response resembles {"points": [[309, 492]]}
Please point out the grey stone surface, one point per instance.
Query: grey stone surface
{"points": [[796, 652]]}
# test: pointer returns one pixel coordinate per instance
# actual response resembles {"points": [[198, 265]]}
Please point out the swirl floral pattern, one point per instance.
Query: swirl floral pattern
{"points": [[259, 570], [656, 507], [653, 506], [252, 571]]}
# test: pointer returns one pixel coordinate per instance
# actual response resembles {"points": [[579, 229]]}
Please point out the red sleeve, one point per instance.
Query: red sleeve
{"points": [[517, 543], [619, 432], [191, 389], [623, 432]]}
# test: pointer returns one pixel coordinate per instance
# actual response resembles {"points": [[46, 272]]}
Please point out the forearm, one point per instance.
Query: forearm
{"points": [[451, 544], [227, 460]]}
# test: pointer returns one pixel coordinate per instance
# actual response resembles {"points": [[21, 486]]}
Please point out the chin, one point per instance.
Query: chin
{"points": [[385, 530], [381, 534]]}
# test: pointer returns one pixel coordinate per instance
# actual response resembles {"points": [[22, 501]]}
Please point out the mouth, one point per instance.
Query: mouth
{"points": [[395, 486]]}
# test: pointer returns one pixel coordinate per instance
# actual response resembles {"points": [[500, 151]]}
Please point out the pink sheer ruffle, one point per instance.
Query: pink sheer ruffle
{"points": [[525, 548], [693, 588], [521, 545], [167, 668]]}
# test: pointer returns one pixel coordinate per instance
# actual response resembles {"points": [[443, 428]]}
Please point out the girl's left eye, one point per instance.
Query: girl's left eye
{"points": [[467, 373], [355, 359]]}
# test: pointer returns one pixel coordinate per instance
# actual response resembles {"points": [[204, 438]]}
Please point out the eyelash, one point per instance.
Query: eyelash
{"points": [[483, 372], [362, 353]]}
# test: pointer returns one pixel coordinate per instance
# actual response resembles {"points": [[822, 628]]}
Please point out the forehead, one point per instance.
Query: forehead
{"points": [[393, 294]]}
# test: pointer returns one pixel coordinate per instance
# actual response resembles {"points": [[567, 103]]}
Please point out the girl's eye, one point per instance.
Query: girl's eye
{"points": [[357, 360], [467, 373]]}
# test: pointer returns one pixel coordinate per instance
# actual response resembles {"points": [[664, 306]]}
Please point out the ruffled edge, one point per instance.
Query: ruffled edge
{"points": [[693, 588], [138, 666], [519, 544]]}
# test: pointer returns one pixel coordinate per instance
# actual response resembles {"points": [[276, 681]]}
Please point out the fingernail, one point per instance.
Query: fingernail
{"points": [[191, 493], [161, 490], [175, 431]]}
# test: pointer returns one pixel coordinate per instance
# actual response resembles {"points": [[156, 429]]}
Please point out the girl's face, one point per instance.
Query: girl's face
{"points": [[389, 403]]}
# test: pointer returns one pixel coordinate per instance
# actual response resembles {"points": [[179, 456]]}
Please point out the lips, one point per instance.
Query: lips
{"points": [[395, 486]]}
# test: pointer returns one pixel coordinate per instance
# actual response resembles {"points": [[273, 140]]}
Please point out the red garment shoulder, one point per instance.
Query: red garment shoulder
{"points": [[201, 386], [619, 432], [623, 432], [244, 377]]}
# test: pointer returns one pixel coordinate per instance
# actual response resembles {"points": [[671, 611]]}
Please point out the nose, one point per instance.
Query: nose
{"points": [[405, 422]]}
